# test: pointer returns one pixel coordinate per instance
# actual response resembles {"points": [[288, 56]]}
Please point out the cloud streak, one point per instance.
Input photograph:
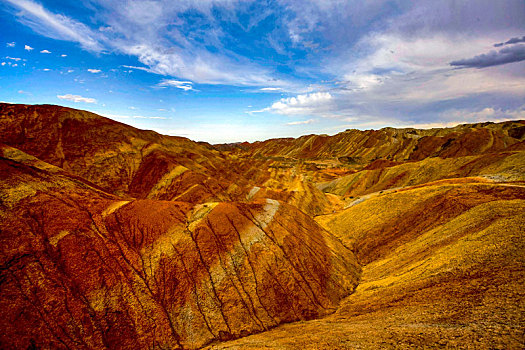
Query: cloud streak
{"points": [[302, 122], [142, 29], [183, 85], [506, 55], [271, 89], [77, 98], [145, 69], [53, 25], [511, 41]]}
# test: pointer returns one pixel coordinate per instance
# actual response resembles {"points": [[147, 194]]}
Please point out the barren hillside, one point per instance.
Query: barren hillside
{"points": [[120, 238]]}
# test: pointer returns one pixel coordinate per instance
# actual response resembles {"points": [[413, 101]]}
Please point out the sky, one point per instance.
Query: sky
{"points": [[241, 70]]}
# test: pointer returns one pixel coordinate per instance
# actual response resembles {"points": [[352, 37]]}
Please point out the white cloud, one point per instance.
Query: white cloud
{"points": [[3, 63], [76, 98], [28, 48], [317, 103], [15, 65], [13, 58], [403, 76], [271, 89], [466, 116], [393, 55], [10, 44], [363, 81], [402, 65], [53, 25], [487, 114], [105, 29], [445, 119], [132, 107], [94, 70], [63, 55], [458, 84], [146, 69], [302, 122], [184, 85], [201, 66], [142, 29], [45, 51]]}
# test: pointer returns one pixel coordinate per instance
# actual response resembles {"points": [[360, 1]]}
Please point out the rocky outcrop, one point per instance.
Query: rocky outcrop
{"points": [[108, 153], [363, 147], [443, 268], [83, 269], [504, 166], [113, 237]]}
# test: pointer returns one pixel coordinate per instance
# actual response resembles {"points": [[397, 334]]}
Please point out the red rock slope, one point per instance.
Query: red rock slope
{"points": [[117, 238], [83, 269], [363, 147]]}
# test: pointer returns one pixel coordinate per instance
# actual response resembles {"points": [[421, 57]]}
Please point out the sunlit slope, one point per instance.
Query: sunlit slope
{"points": [[114, 237], [24, 176], [143, 164], [505, 166], [444, 265], [81, 268], [363, 147], [290, 185], [117, 157]]}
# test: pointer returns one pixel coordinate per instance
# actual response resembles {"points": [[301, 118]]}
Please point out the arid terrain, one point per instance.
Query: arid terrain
{"points": [[113, 237]]}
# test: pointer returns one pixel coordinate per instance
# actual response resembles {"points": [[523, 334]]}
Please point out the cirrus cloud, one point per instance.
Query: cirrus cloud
{"points": [[77, 98], [302, 122], [53, 25], [271, 89], [184, 85]]}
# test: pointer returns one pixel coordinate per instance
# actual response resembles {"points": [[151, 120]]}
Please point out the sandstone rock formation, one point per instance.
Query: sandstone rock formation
{"points": [[84, 269], [443, 267], [119, 238]]}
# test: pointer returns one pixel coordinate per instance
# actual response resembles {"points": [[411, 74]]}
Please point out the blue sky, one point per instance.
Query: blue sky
{"points": [[236, 70]]}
